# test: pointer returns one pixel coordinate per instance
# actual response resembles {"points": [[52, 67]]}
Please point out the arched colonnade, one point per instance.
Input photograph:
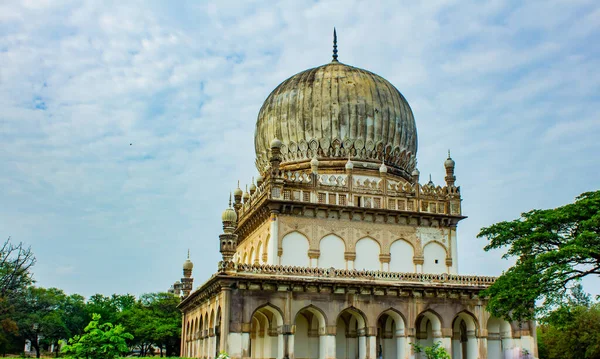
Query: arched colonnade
{"points": [[352, 335]]}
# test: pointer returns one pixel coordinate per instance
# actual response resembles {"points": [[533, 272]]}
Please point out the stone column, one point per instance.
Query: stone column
{"points": [[456, 345], [273, 248], [225, 315], [362, 347], [454, 250], [418, 261], [349, 257], [367, 343], [291, 354], [400, 344], [327, 343], [483, 347], [472, 347]]}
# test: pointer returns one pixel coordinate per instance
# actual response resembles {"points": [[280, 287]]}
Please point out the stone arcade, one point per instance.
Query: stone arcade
{"points": [[337, 250]]}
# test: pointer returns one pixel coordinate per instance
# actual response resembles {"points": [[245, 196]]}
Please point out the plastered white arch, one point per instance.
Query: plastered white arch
{"points": [[432, 252], [367, 254], [332, 248], [402, 256], [294, 247]]}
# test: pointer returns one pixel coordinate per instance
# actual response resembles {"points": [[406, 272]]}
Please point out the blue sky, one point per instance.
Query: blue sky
{"points": [[124, 125]]}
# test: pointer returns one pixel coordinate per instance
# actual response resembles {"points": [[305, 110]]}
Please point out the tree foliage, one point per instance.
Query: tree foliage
{"points": [[39, 315], [100, 341], [155, 321], [554, 248], [571, 331], [16, 261]]}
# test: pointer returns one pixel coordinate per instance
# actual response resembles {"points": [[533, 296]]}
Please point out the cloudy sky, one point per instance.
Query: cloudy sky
{"points": [[124, 125]]}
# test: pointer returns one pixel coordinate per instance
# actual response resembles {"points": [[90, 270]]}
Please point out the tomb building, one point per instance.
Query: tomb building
{"points": [[336, 249]]}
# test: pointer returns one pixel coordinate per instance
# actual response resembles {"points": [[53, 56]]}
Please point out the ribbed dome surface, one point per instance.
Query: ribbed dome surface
{"points": [[337, 111]]}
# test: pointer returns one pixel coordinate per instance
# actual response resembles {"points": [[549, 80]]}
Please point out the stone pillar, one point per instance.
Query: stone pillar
{"points": [[372, 346], [400, 344], [349, 257], [472, 347], [291, 354], [327, 346], [225, 314], [483, 347], [454, 249], [367, 343], [273, 248], [281, 347], [362, 347]]}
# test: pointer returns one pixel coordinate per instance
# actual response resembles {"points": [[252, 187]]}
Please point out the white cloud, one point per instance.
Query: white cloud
{"points": [[509, 87]]}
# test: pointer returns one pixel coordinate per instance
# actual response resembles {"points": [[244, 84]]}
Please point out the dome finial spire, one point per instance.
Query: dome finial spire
{"points": [[188, 254], [229, 199], [335, 55]]}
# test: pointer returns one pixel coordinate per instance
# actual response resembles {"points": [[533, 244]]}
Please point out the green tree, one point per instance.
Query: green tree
{"points": [[16, 262], [554, 248], [570, 332], [110, 308], [40, 318], [100, 341], [155, 321]]}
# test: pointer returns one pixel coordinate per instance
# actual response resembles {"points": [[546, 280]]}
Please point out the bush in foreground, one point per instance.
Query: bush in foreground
{"points": [[100, 341]]}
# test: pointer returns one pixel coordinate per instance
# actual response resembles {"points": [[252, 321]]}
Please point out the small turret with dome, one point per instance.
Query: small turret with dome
{"points": [[449, 165], [188, 266], [229, 217]]}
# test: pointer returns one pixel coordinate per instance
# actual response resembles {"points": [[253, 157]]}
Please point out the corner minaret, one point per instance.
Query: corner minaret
{"points": [[449, 164], [228, 239], [187, 280]]}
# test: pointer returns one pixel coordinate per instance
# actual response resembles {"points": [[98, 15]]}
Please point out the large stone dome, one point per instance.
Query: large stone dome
{"points": [[334, 112]]}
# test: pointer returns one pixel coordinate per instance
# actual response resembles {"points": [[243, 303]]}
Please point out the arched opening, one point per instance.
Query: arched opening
{"points": [[245, 258], [391, 335], [350, 337], [332, 250], [310, 326], [266, 339], [295, 250], [464, 341], [434, 258], [428, 330], [499, 338], [367, 255]]}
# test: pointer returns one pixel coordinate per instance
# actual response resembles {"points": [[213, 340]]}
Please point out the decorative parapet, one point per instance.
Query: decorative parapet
{"points": [[279, 270], [387, 193]]}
